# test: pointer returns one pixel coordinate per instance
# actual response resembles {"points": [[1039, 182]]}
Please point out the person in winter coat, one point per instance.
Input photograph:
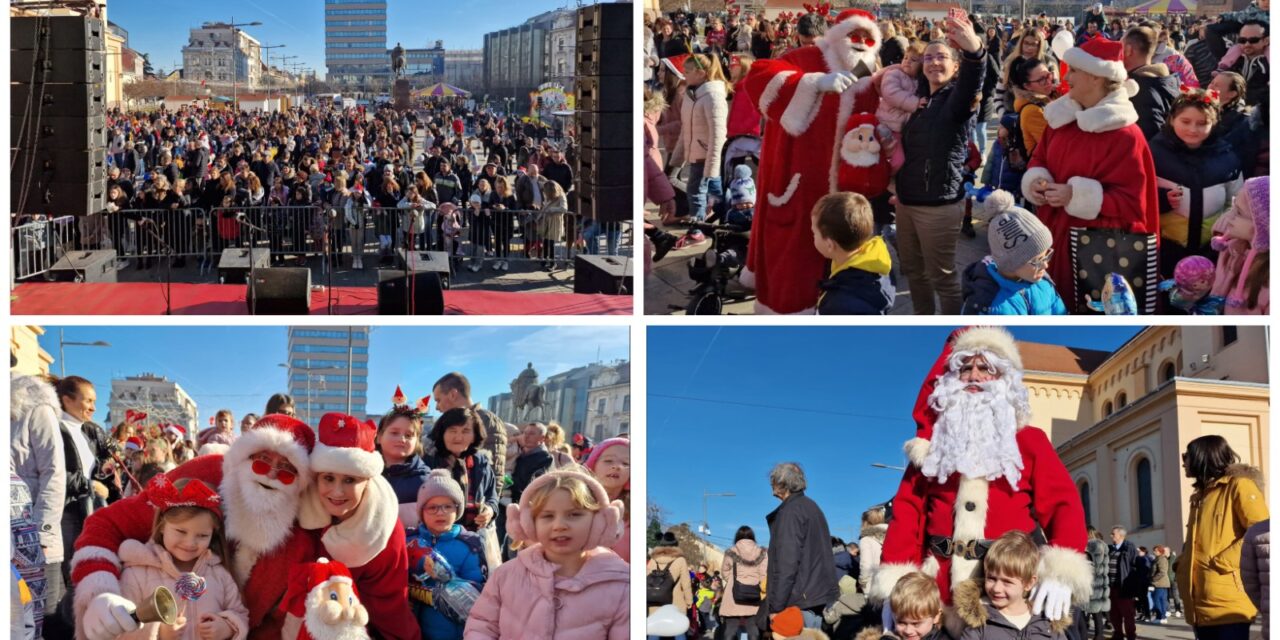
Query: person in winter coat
{"points": [[188, 516], [745, 563], [1099, 605], [1227, 501], [1253, 61], [400, 442], [1157, 88], [1011, 280], [1092, 169], [36, 450], [352, 512], [1160, 584], [457, 436], [870, 543], [800, 572], [439, 505], [1122, 584], [703, 129], [898, 97], [1255, 570], [744, 118], [667, 558], [565, 583], [998, 608], [610, 463], [1028, 45], [1231, 95], [1178, 65], [843, 232], [1242, 276], [1198, 176], [935, 145]]}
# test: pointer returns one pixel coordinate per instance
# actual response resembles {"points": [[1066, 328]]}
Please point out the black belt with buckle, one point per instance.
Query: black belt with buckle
{"points": [[970, 550]]}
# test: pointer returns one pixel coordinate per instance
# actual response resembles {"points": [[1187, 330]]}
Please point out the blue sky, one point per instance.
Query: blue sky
{"points": [[726, 404], [235, 367], [161, 29]]}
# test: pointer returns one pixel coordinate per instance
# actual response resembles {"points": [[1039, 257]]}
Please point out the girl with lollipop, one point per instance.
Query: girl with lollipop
{"points": [[185, 554]]}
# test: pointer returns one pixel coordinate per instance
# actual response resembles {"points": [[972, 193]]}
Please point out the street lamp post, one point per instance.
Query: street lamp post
{"points": [[62, 343], [881, 465], [705, 529], [268, 63]]}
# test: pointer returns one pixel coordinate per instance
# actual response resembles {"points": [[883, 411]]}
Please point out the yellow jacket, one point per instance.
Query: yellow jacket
{"points": [[1209, 569]]}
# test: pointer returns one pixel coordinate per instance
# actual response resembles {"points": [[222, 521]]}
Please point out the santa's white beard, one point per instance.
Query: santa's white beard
{"points": [[976, 432], [259, 519], [850, 55], [860, 158]]}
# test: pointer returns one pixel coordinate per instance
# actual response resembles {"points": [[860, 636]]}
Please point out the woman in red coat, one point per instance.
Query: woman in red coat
{"points": [[354, 514], [1092, 168]]}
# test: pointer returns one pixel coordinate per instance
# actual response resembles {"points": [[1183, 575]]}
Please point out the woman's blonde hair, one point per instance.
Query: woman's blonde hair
{"points": [[555, 435], [711, 65], [579, 492]]}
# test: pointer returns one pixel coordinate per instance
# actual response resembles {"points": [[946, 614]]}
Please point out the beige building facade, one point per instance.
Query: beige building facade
{"points": [[29, 358], [1120, 421]]}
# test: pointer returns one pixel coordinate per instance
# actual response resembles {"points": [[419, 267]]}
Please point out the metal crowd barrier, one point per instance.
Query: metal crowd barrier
{"points": [[38, 244]]}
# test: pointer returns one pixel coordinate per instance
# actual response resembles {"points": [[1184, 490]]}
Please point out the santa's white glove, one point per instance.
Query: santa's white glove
{"points": [[886, 618], [836, 82], [109, 615], [1052, 598]]}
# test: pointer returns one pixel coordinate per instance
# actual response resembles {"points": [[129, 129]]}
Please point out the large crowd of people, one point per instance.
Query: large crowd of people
{"points": [[474, 527], [986, 537], [1144, 132], [321, 180]]}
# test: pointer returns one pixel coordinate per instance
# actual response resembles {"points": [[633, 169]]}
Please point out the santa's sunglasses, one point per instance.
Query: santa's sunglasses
{"points": [[264, 467]]}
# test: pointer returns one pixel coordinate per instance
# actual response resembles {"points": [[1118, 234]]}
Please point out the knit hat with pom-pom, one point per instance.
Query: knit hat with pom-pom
{"points": [[1016, 236]]}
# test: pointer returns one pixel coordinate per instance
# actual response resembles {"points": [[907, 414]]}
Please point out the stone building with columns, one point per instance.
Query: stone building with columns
{"points": [[1121, 420]]}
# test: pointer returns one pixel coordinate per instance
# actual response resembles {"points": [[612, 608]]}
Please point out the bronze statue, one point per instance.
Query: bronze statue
{"points": [[528, 396], [397, 60]]}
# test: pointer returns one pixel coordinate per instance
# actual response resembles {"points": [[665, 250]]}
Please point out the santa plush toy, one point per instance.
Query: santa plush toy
{"points": [[807, 96], [260, 479], [864, 167], [326, 591], [977, 470]]}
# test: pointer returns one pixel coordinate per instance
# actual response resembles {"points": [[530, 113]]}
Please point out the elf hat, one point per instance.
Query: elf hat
{"points": [[675, 64], [346, 446], [600, 449], [606, 526]]}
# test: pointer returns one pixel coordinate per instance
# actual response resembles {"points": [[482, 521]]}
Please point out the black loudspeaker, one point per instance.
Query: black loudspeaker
{"points": [[603, 167], [396, 288], [605, 110], [602, 274], [58, 115], [434, 261], [608, 58], [605, 130], [606, 204], [280, 291], [235, 264], [605, 93], [85, 266]]}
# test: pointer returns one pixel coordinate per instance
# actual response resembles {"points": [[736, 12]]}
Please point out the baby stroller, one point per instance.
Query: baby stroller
{"points": [[713, 270], [739, 150]]}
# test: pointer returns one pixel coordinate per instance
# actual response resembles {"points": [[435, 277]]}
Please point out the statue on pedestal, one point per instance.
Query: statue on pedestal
{"points": [[528, 396], [397, 61]]}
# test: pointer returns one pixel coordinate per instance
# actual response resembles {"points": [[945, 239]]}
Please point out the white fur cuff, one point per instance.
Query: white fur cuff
{"points": [[1029, 179], [804, 105], [350, 461], [916, 449], [1086, 198], [771, 90], [1070, 567], [886, 576]]}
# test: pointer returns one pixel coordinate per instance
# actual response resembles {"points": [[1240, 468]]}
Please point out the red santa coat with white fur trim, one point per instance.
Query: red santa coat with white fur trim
{"points": [[97, 569], [800, 161], [1102, 154]]}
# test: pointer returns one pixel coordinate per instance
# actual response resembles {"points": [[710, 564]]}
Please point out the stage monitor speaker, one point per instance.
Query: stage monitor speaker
{"points": [[434, 261], [602, 274], [85, 266], [280, 291], [56, 32], [605, 22], [605, 203], [396, 288], [603, 167], [605, 94], [235, 264], [79, 100]]}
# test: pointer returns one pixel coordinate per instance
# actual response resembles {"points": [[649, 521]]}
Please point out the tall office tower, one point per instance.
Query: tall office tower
{"points": [[320, 361], [355, 41]]}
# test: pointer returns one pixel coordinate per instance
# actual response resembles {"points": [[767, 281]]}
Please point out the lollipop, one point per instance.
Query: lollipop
{"points": [[189, 587]]}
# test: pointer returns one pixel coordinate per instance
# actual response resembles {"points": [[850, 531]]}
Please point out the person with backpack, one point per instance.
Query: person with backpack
{"points": [[744, 567], [667, 578]]}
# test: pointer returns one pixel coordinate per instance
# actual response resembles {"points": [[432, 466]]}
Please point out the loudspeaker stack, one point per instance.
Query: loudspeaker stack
{"points": [[58, 119], [605, 105]]}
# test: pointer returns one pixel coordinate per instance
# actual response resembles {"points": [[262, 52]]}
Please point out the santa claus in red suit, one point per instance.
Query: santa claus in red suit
{"points": [[260, 478], [977, 470], [807, 96], [1093, 167]]}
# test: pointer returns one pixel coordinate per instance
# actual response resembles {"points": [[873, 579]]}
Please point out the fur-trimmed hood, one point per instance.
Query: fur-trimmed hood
{"points": [[975, 611], [665, 553], [746, 553], [1113, 112], [27, 392], [1246, 471], [876, 531]]}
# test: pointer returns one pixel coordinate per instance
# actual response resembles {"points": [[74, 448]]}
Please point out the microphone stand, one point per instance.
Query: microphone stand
{"points": [[253, 264], [150, 225]]}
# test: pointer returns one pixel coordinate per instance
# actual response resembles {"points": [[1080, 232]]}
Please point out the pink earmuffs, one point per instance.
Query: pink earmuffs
{"points": [[605, 524]]}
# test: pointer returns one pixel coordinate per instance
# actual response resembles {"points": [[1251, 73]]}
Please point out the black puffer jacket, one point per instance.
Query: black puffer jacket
{"points": [[1214, 163], [800, 572], [1157, 89], [935, 138]]}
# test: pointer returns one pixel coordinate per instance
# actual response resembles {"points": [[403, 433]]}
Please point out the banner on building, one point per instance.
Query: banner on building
{"points": [[549, 98]]}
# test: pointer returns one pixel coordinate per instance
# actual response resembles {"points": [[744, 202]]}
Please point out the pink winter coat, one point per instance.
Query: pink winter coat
{"points": [[898, 99], [147, 566], [623, 546], [669, 121], [525, 599], [1231, 277], [657, 187]]}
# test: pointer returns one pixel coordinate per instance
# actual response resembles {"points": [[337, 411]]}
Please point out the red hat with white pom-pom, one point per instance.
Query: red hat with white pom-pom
{"points": [[347, 446]]}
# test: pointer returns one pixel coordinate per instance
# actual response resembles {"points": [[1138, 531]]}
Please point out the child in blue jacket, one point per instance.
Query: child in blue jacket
{"points": [[1011, 281], [440, 504]]}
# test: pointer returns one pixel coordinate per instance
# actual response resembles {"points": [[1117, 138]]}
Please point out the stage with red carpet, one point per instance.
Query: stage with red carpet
{"points": [[146, 299]]}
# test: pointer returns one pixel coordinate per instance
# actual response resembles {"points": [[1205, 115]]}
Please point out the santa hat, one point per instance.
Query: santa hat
{"points": [[675, 64], [863, 119], [210, 448], [1099, 56], [176, 430], [996, 341], [134, 443], [346, 446], [600, 449], [398, 398], [605, 529], [277, 433], [164, 495], [306, 586]]}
